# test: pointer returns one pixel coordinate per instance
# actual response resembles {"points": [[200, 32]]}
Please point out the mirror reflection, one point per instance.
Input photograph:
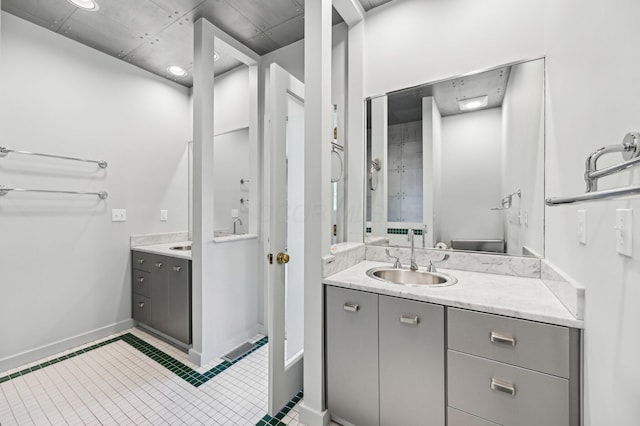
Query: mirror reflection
{"points": [[461, 162]]}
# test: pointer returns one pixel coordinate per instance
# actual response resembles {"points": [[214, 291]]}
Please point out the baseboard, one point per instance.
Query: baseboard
{"points": [[311, 417], [44, 351]]}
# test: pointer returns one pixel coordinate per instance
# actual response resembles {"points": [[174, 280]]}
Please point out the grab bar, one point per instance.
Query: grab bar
{"points": [[4, 151], [630, 150], [594, 196], [4, 190]]}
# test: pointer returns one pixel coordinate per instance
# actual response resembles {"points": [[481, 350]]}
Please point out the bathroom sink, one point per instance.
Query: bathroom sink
{"points": [[182, 248], [412, 278]]}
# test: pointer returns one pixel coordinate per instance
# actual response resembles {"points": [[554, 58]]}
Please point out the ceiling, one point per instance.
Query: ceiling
{"points": [[153, 34], [406, 105]]}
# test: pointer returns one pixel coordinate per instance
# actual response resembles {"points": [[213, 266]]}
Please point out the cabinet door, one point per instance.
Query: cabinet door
{"points": [[141, 309], [179, 277], [352, 356], [412, 362], [159, 294]]}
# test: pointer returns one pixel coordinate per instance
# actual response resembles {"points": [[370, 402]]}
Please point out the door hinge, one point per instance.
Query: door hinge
{"points": [[270, 258]]}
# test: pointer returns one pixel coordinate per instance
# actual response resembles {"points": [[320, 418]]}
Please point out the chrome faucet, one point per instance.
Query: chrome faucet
{"points": [[235, 221], [413, 266]]}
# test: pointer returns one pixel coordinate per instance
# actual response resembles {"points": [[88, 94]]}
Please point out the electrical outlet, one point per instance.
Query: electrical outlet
{"points": [[234, 213], [624, 231], [118, 215], [164, 215], [581, 216]]}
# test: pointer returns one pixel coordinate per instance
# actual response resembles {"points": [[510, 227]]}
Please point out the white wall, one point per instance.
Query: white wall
{"points": [[231, 102], [410, 42], [592, 100], [523, 157], [65, 266], [471, 176], [230, 164]]}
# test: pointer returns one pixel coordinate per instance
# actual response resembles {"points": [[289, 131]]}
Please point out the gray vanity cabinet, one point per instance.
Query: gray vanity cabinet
{"points": [[412, 363], [511, 372], [352, 356], [385, 359], [161, 288]]}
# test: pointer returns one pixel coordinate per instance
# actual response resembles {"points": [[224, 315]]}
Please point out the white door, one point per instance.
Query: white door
{"points": [[286, 237]]}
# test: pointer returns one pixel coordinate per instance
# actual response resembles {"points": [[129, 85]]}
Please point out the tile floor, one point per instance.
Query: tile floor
{"points": [[114, 382]]}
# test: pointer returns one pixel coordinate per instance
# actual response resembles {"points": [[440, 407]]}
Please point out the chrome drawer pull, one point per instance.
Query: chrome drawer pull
{"points": [[351, 307], [502, 338], [141, 304], [141, 280], [409, 319], [141, 261], [502, 386], [159, 265], [177, 268]]}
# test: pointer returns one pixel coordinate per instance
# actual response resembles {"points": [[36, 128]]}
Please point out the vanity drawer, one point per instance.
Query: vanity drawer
{"points": [[540, 347], [142, 309], [142, 261], [142, 283], [506, 394], [460, 418]]}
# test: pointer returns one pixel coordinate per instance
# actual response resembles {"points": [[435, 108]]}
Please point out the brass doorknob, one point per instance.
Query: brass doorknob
{"points": [[282, 258]]}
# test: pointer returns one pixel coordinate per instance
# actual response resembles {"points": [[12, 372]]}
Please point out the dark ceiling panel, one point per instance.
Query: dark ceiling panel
{"points": [[277, 12], [47, 14], [262, 44], [288, 32], [178, 7], [220, 14]]}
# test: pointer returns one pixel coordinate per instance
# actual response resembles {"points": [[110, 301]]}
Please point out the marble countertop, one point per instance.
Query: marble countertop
{"points": [[165, 249], [517, 297]]}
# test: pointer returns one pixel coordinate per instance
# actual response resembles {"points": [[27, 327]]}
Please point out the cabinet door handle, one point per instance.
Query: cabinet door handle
{"points": [[351, 307], [504, 339], [141, 304], [177, 268], [159, 265], [141, 280], [502, 386], [409, 319], [141, 261]]}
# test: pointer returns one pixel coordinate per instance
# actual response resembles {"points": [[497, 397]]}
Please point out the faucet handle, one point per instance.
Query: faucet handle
{"points": [[396, 264]]}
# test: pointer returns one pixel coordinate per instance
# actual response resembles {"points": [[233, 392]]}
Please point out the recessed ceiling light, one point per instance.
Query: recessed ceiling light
{"points": [[216, 56], [473, 103], [176, 70], [85, 4]]}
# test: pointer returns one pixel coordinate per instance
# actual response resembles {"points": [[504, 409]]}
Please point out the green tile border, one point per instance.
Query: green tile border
{"points": [[268, 420], [398, 231], [183, 371]]}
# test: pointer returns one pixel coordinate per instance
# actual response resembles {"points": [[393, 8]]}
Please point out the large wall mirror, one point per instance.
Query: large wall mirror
{"points": [[460, 161]]}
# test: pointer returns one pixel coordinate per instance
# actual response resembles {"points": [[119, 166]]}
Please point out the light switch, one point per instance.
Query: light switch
{"points": [[624, 231], [164, 215], [582, 226], [118, 215]]}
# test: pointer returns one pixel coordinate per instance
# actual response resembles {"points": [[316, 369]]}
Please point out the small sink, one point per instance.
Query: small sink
{"points": [[412, 278], [181, 248]]}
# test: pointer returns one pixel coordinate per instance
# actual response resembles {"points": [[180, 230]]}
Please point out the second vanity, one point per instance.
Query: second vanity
{"points": [[161, 290], [490, 350]]}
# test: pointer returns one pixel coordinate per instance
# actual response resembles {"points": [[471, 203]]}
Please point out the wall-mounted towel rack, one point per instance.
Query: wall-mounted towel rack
{"points": [[507, 200], [630, 149], [4, 190], [4, 151]]}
